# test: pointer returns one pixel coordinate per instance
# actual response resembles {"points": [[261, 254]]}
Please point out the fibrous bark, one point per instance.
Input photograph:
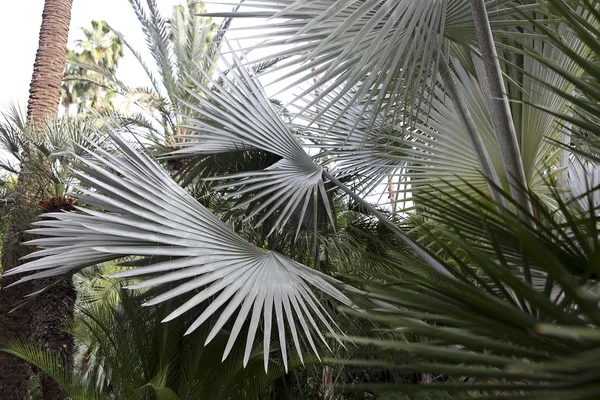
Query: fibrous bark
{"points": [[44, 91]]}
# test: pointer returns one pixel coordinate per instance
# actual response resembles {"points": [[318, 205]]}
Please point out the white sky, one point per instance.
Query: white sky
{"points": [[20, 22]]}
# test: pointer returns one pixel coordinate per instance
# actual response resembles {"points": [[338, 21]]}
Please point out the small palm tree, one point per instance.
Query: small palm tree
{"points": [[85, 87]]}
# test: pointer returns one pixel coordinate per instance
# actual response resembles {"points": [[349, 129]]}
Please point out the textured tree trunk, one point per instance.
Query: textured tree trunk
{"points": [[54, 309], [44, 91], [14, 372], [43, 318]]}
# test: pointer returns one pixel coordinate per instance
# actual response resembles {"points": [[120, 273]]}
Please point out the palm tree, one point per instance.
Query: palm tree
{"points": [[181, 47], [399, 90], [101, 48], [44, 96]]}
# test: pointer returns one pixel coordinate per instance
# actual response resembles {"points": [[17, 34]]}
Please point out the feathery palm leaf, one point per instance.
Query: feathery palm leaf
{"points": [[48, 361]]}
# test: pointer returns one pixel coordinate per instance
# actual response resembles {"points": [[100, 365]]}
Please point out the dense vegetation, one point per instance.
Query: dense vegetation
{"points": [[420, 222]]}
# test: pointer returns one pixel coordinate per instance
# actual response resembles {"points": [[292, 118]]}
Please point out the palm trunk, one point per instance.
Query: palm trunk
{"points": [[502, 121], [14, 372], [54, 309], [47, 311], [44, 91]]}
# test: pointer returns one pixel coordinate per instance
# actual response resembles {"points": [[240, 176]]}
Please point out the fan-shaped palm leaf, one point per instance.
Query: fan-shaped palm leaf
{"points": [[239, 116], [435, 152], [147, 214], [387, 48], [575, 39]]}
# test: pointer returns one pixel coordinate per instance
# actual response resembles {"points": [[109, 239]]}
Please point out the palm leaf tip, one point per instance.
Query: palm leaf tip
{"points": [[146, 214]]}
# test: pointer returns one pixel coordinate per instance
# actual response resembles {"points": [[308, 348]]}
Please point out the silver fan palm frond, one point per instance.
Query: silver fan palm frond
{"points": [[144, 213], [234, 113], [347, 43], [389, 49]]}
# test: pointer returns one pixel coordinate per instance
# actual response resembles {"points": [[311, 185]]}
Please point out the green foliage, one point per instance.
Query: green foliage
{"points": [[520, 312], [492, 298], [428, 395], [183, 48], [124, 352], [49, 362], [84, 83]]}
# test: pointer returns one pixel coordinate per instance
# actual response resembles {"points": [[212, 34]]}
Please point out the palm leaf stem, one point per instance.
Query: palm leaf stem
{"points": [[425, 256], [485, 89], [502, 121], [479, 149]]}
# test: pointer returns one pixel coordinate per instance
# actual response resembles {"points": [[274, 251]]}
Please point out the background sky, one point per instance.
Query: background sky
{"points": [[19, 28], [20, 24]]}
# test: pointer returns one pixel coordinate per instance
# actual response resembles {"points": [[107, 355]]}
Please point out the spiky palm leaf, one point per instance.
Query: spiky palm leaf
{"points": [[388, 49], [239, 116], [575, 39], [523, 316], [146, 214], [436, 148]]}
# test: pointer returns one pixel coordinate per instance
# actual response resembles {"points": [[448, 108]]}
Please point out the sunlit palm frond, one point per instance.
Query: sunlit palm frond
{"points": [[389, 49], [575, 39], [11, 140], [157, 34], [239, 116], [147, 214], [435, 151], [352, 145], [347, 44]]}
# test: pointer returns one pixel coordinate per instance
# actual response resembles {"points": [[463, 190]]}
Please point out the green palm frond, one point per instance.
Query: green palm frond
{"points": [[11, 140], [54, 366], [523, 316], [157, 34]]}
